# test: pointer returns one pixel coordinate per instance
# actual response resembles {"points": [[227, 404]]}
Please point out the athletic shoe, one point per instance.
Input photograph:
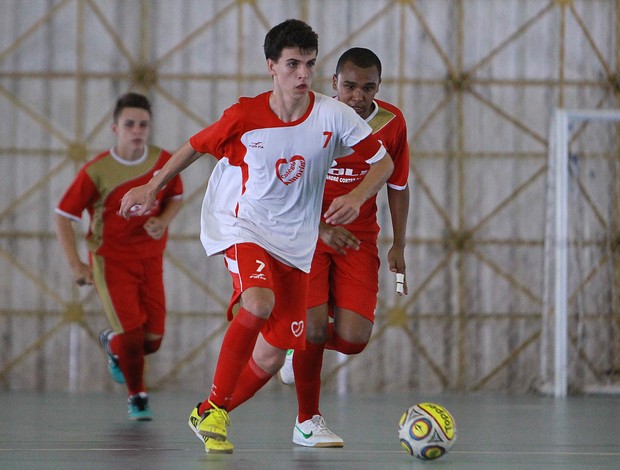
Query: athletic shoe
{"points": [[315, 433], [212, 446], [138, 407], [113, 367], [212, 423], [215, 446], [286, 374]]}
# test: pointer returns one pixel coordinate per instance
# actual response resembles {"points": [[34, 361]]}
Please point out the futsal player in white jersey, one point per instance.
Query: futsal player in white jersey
{"points": [[262, 211]]}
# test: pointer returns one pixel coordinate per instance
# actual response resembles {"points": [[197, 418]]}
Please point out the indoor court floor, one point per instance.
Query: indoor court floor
{"points": [[91, 431]]}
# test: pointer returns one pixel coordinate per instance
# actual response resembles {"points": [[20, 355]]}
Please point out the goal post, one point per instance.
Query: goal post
{"points": [[580, 327]]}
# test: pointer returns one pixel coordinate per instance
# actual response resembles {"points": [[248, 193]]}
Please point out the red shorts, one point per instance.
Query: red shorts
{"points": [[132, 292], [252, 266], [348, 281]]}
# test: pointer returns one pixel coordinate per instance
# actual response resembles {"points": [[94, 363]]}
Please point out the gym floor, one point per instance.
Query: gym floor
{"points": [[91, 431]]}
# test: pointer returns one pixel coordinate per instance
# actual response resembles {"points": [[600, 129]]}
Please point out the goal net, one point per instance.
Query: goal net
{"points": [[580, 337]]}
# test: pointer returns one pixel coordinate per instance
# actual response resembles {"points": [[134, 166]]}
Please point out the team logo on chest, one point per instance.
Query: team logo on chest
{"points": [[289, 171]]}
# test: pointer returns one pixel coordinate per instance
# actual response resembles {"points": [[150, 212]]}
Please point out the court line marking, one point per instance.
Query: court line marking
{"points": [[308, 450]]}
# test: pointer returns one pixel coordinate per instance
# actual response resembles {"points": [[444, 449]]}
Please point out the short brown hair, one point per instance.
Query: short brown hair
{"points": [[290, 33], [131, 100]]}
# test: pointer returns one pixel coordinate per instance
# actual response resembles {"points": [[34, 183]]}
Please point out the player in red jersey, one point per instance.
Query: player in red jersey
{"points": [[344, 276], [262, 211], [125, 256]]}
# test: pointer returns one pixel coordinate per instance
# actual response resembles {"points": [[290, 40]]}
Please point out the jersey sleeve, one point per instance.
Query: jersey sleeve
{"points": [[399, 151], [80, 195], [220, 138], [370, 149], [174, 188]]}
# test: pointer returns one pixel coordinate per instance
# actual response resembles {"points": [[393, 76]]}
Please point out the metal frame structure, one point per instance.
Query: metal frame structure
{"points": [[442, 335]]}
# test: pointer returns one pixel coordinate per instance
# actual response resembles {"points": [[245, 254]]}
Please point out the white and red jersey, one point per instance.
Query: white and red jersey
{"points": [[267, 186], [389, 126]]}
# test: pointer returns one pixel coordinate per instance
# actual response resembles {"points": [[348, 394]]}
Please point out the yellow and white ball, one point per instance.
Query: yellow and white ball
{"points": [[427, 431]]}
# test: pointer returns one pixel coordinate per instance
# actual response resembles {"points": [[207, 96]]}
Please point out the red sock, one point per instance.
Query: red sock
{"points": [[345, 347], [331, 335], [129, 348], [307, 366], [336, 343], [151, 345], [235, 352], [251, 380]]}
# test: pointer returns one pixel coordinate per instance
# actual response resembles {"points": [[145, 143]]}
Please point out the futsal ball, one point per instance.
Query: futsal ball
{"points": [[427, 431]]}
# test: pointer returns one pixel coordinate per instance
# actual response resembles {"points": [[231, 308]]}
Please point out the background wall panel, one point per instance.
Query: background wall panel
{"points": [[477, 81]]}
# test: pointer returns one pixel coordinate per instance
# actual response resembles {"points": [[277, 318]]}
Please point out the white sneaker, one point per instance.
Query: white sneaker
{"points": [[315, 433], [286, 374]]}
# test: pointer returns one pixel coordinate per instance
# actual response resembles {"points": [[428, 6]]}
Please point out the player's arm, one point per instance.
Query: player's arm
{"points": [[156, 226], [139, 200], [398, 201], [345, 209], [80, 271], [338, 238]]}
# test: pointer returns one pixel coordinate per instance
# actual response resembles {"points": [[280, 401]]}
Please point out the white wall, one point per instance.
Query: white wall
{"points": [[476, 79]]}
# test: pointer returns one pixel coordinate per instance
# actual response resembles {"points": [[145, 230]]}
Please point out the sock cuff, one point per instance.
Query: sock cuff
{"points": [[347, 347], [260, 373], [249, 320]]}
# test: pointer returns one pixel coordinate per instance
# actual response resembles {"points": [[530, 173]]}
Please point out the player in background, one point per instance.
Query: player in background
{"points": [[262, 210], [344, 278], [125, 256]]}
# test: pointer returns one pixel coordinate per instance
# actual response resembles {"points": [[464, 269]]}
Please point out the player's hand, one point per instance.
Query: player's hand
{"points": [[343, 210], [82, 275], [155, 227], [396, 262], [136, 201], [338, 238]]}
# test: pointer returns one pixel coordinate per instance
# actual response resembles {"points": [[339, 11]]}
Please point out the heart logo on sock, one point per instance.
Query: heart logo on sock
{"points": [[297, 327], [290, 171]]}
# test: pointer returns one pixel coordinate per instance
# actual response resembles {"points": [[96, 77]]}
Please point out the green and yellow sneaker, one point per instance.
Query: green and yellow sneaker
{"points": [[212, 423], [212, 445]]}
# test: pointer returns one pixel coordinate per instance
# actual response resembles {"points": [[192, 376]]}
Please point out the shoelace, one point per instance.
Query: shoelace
{"points": [[223, 414], [139, 402], [319, 423]]}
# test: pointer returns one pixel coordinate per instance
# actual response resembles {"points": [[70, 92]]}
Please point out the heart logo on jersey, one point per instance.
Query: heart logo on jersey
{"points": [[297, 327], [291, 170]]}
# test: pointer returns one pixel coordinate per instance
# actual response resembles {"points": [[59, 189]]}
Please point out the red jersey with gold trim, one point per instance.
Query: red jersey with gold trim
{"points": [[389, 126], [99, 187]]}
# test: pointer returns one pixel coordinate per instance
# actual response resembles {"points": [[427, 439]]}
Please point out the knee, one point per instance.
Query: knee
{"points": [[132, 342], [258, 301], [351, 332], [317, 326], [316, 334], [269, 361], [271, 365]]}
